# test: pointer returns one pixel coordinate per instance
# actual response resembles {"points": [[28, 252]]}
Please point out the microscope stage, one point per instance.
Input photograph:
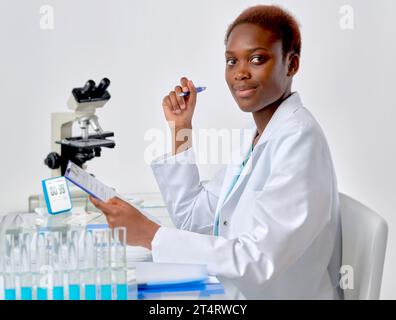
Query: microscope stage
{"points": [[90, 143]]}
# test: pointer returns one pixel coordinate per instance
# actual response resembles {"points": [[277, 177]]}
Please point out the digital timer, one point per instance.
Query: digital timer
{"points": [[57, 195]]}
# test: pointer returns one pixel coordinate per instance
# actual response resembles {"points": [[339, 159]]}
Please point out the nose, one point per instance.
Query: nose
{"points": [[242, 73]]}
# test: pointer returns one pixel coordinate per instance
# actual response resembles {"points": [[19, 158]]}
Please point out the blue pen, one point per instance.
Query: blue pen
{"points": [[185, 94]]}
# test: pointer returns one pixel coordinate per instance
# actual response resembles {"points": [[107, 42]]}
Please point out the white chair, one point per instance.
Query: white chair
{"points": [[364, 237]]}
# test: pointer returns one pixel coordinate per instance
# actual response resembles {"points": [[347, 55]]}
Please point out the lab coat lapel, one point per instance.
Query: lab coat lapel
{"points": [[282, 114], [238, 156]]}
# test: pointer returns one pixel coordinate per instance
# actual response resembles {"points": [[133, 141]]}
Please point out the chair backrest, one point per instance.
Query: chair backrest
{"points": [[364, 237]]}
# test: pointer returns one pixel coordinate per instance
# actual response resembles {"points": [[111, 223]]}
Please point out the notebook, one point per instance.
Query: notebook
{"points": [[169, 274]]}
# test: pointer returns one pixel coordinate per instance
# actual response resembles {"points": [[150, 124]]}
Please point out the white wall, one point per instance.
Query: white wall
{"points": [[346, 80]]}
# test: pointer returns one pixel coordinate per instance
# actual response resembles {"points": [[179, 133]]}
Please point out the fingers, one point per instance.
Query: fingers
{"points": [[184, 84], [96, 202], [176, 101], [114, 210], [167, 104], [192, 98], [104, 206], [173, 103], [180, 100], [120, 201]]}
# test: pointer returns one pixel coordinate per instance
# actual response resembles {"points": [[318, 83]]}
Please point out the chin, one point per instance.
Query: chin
{"points": [[248, 106], [247, 110]]}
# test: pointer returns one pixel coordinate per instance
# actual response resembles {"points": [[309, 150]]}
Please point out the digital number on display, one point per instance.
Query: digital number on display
{"points": [[57, 195]]}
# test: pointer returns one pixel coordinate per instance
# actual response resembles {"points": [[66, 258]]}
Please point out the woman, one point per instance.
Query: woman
{"points": [[269, 226]]}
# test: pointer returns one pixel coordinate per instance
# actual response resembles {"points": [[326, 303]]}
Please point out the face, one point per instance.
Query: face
{"points": [[256, 72]]}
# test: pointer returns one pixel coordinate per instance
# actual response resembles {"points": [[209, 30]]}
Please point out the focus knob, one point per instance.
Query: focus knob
{"points": [[53, 160]]}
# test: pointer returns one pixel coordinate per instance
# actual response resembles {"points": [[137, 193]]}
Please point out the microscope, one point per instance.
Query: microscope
{"points": [[79, 149]]}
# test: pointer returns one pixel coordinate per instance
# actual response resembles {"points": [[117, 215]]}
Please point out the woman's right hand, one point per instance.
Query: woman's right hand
{"points": [[179, 110]]}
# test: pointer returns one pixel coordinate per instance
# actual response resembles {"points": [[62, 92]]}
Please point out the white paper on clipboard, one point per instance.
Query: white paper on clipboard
{"points": [[88, 183]]}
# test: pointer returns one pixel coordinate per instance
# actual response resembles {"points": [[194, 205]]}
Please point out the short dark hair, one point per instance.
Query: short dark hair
{"points": [[275, 19]]}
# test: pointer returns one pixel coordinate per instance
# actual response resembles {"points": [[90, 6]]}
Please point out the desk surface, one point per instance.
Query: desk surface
{"points": [[153, 205]]}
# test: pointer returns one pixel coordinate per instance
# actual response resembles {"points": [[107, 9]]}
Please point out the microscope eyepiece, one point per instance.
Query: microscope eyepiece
{"points": [[102, 86], [89, 86], [92, 93]]}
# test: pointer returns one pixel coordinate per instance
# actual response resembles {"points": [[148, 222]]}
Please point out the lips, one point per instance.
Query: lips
{"points": [[245, 91]]}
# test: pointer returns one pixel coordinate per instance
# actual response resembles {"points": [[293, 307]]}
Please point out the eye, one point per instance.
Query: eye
{"points": [[230, 62], [257, 59]]}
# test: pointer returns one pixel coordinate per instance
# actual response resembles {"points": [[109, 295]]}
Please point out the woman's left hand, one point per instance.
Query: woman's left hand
{"points": [[140, 229]]}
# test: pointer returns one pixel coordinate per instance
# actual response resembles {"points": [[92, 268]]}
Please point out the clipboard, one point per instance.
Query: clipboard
{"points": [[88, 183]]}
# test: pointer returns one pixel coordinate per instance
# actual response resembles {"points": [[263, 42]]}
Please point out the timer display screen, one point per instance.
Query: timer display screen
{"points": [[57, 196]]}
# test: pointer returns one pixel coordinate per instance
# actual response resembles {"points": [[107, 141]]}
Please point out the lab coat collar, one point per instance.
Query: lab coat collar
{"points": [[284, 111], [282, 114]]}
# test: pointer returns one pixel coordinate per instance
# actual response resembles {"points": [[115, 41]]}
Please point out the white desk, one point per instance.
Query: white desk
{"points": [[154, 207]]}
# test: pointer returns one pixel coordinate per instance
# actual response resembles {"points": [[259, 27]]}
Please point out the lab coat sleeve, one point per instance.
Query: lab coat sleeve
{"points": [[287, 216], [191, 204]]}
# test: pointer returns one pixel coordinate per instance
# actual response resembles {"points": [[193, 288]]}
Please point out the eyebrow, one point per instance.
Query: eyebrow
{"points": [[249, 50]]}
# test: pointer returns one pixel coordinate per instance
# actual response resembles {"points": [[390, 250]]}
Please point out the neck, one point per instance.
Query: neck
{"points": [[263, 116]]}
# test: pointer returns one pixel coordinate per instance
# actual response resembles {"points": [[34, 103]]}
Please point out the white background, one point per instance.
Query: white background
{"points": [[346, 80]]}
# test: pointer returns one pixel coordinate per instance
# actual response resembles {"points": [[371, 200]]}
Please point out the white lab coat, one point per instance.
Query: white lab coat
{"points": [[279, 233]]}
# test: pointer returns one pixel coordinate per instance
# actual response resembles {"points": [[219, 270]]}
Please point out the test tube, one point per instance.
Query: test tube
{"points": [[9, 267], [25, 274], [89, 271], [57, 264], [73, 275], [119, 263], [103, 262], [2, 297], [42, 267], [33, 265]]}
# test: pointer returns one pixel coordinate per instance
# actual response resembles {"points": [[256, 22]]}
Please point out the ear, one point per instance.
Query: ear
{"points": [[293, 64]]}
